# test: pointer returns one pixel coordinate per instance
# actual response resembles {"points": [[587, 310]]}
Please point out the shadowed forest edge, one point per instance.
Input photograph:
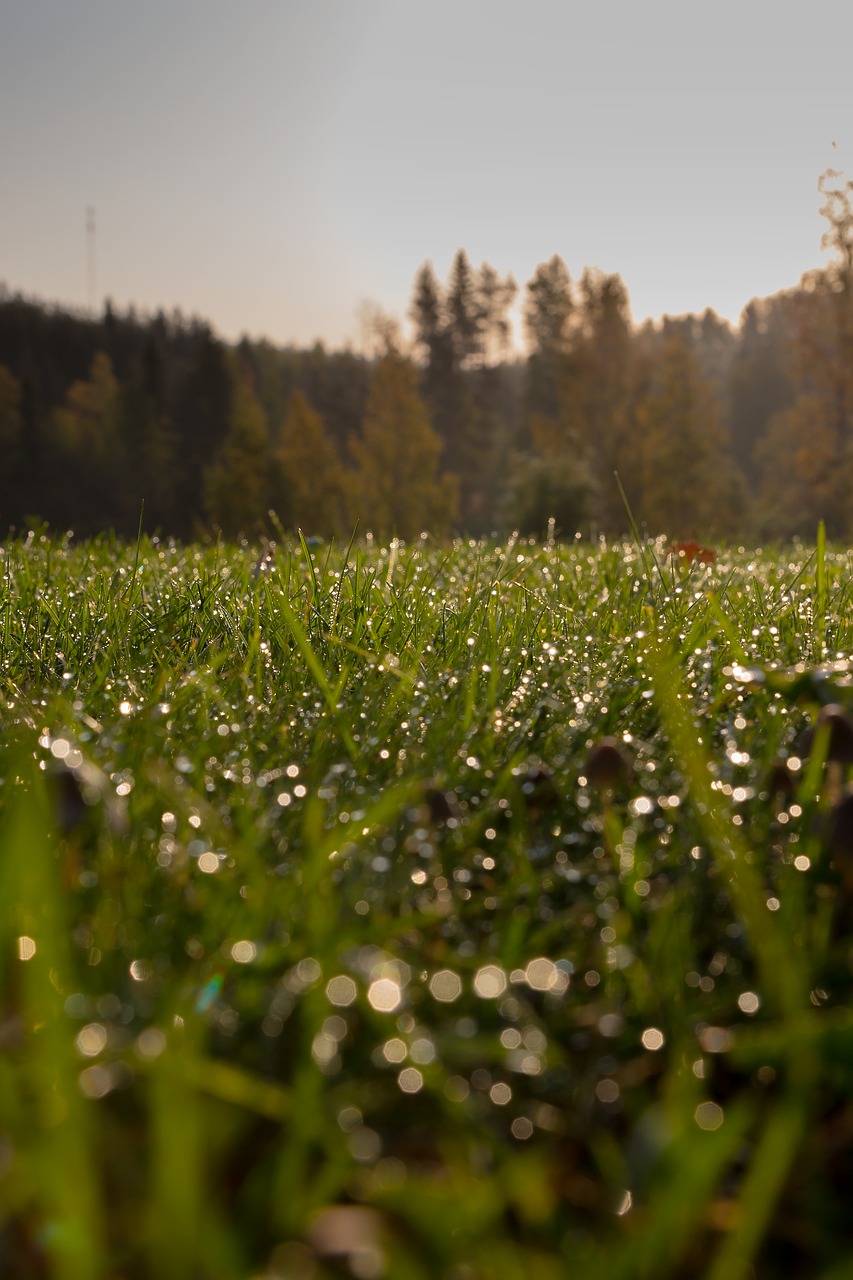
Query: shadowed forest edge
{"points": [[717, 432]]}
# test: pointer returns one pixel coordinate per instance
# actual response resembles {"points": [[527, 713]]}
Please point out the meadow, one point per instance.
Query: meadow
{"points": [[429, 912]]}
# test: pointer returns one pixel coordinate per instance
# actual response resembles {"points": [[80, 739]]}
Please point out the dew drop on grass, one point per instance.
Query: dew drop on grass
{"points": [[341, 991], [653, 1039], [410, 1080], [324, 1049], [349, 1118], [92, 1039], [208, 993], [490, 982], [625, 1203], [716, 1039], [422, 1051], [384, 995], [394, 1050], [709, 1116], [611, 1025], [26, 947], [244, 951], [541, 974], [150, 1043], [445, 986], [607, 1091], [457, 1089], [96, 1081], [365, 1145]]}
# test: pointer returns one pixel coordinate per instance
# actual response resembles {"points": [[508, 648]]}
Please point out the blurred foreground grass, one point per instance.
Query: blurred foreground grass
{"points": [[468, 911]]}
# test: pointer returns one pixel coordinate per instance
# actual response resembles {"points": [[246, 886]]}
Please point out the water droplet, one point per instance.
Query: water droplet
{"points": [[709, 1116], [384, 995], [410, 1080], [490, 982], [445, 986]]}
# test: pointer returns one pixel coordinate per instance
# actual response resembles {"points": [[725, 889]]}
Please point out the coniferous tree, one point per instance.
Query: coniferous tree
{"points": [[238, 483], [312, 481], [202, 420], [549, 307], [454, 328], [88, 464], [427, 313], [550, 474], [11, 448], [495, 295], [602, 375], [489, 428], [799, 464], [548, 310], [463, 312], [689, 487], [758, 385], [396, 487]]}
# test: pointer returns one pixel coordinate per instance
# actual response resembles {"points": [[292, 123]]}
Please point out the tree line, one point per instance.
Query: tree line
{"points": [[715, 431]]}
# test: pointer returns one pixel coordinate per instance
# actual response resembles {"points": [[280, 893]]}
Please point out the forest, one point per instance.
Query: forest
{"points": [[716, 432]]}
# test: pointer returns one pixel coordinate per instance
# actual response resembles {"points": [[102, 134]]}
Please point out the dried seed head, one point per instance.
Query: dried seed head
{"points": [[839, 832], [70, 805], [538, 787], [840, 727], [607, 764], [687, 552], [441, 804], [780, 781]]}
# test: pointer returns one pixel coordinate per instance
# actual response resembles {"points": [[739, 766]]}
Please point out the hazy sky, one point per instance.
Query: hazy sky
{"points": [[271, 164]]}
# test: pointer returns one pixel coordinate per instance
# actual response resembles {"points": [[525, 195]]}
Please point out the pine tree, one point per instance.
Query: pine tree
{"points": [[11, 449], [801, 469], [88, 464], [549, 307], [202, 418], [602, 378], [238, 484], [427, 313], [548, 310], [463, 312], [449, 331], [495, 296], [690, 488], [758, 384], [396, 488], [311, 473]]}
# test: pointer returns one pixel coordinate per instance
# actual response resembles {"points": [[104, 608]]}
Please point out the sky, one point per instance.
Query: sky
{"points": [[274, 165]]}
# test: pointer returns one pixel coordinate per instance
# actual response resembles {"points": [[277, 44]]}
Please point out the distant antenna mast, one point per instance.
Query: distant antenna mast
{"points": [[90, 253]]}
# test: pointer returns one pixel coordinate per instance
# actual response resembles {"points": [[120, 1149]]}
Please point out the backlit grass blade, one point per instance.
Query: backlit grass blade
{"points": [[783, 977], [820, 593], [303, 645], [59, 1137], [769, 1166]]}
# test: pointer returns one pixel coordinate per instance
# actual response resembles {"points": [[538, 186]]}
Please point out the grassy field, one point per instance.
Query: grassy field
{"points": [[425, 912]]}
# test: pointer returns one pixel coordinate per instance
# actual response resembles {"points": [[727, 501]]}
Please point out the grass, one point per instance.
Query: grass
{"points": [[320, 953]]}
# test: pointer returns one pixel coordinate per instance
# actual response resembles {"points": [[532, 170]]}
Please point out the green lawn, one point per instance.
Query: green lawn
{"points": [[334, 940]]}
